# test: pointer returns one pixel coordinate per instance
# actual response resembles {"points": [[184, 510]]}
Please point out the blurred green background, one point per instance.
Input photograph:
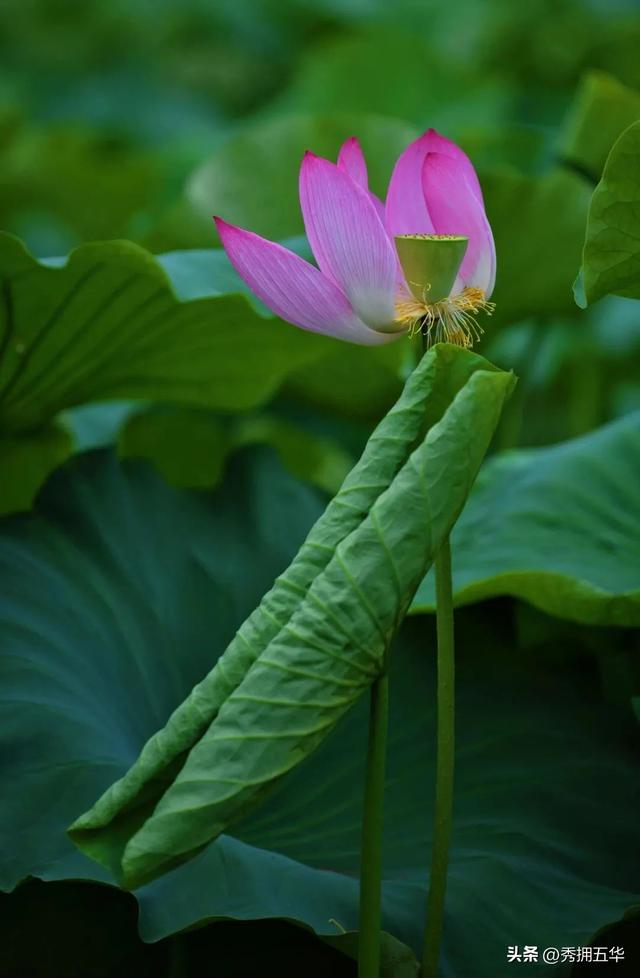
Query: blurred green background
{"points": [[140, 120], [107, 108]]}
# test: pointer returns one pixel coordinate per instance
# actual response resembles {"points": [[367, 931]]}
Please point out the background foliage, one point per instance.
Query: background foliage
{"points": [[188, 440]]}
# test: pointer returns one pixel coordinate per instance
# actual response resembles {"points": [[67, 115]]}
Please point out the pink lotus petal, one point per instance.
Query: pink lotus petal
{"points": [[406, 208], [351, 160], [440, 144], [407, 211], [349, 240], [292, 288], [456, 208]]}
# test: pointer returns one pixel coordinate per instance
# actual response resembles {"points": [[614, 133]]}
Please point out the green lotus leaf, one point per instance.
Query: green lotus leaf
{"points": [[107, 325], [556, 526], [72, 929], [189, 446], [75, 929], [68, 591], [318, 639], [26, 461], [611, 258], [118, 592], [396, 959], [113, 322]]}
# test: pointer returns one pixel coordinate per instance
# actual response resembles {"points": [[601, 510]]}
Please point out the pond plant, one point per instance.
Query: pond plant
{"points": [[324, 633], [247, 473]]}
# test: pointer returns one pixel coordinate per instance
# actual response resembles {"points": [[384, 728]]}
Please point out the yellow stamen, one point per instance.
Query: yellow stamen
{"points": [[450, 320]]}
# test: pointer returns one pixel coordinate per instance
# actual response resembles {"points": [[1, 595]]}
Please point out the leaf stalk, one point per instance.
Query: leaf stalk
{"points": [[445, 763], [372, 824]]}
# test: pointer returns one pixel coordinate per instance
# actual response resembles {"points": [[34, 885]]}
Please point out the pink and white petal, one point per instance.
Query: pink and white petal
{"points": [[455, 208], [351, 160], [292, 288], [440, 144], [407, 211], [406, 208], [349, 240]]}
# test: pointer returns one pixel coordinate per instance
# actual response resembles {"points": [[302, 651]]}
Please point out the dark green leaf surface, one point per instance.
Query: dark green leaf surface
{"points": [[558, 526], [318, 638], [611, 259], [74, 930], [119, 582], [83, 930], [93, 663], [108, 325], [396, 959]]}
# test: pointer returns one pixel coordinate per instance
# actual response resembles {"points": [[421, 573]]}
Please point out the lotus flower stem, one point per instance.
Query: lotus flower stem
{"points": [[444, 764], [371, 851]]}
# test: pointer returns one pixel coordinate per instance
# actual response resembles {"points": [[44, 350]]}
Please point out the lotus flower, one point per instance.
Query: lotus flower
{"points": [[424, 262]]}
